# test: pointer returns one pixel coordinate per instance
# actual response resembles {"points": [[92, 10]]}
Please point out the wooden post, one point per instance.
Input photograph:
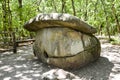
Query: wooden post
{"points": [[14, 43]]}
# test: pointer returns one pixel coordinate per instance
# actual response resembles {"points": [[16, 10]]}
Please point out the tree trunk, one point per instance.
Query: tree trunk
{"points": [[20, 11], [86, 13], [107, 28], [7, 19], [20, 3], [116, 18], [73, 7], [7, 16], [107, 22], [95, 10], [20, 17], [38, 4], [63, 6], [55, 8]]}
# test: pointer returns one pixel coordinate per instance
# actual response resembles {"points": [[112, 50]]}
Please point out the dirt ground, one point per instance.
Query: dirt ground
{"points": [[24, 66]]}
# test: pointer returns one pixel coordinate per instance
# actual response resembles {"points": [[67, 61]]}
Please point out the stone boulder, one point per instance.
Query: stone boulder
{"points": [[59, 74], [63, 40]]}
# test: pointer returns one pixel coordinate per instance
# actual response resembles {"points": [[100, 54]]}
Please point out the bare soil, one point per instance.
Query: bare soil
{"points": [[24, 66]]}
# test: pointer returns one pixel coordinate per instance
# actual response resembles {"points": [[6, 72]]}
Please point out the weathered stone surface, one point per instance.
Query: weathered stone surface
{"points": [[58, 20], [59, 74], [63, 40], [66, 48]]}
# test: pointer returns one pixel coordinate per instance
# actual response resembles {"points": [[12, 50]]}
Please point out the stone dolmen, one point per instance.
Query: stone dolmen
{"points": [[63, 40]]}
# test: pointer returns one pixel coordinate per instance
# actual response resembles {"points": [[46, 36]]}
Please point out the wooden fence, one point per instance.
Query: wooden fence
{"points": [[9, 41]]}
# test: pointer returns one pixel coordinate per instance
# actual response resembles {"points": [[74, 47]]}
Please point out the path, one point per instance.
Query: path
{"points": [[24, 66]]}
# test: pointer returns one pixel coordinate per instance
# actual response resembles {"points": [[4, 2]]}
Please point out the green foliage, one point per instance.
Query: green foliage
{"points": [[115, 41], [92, 11], [1, 0]]}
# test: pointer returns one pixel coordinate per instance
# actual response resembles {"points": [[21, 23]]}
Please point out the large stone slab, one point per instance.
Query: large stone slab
{"points": [[66, 48], [43, 20], [63, 40]]}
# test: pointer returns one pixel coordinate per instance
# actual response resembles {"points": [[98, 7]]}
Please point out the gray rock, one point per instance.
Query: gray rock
{"points": [[58, 20], [63, 40], [59, 74], [66, 48]]}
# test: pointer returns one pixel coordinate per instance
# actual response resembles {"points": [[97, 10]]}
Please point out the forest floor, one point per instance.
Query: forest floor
{"points": [[24, 66]]}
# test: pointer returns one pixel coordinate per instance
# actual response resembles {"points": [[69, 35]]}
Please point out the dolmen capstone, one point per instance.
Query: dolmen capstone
{"points": [[63, 40]]}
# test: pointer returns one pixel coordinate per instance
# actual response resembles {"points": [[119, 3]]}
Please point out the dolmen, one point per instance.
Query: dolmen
{"points": [[63, 40]]}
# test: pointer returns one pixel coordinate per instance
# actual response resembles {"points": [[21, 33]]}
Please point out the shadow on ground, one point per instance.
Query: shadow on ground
{"points": [[24, 66], [98, 70]]}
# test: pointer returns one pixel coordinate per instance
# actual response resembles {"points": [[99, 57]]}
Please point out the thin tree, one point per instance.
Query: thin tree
{"points": [[37, 4], [20, 18], [86, 13], [107, 18], [7, 16], [20, 11], [54, 4], [116, 17], [63, 6], [7, 20], [20, 3], [73, 7]]}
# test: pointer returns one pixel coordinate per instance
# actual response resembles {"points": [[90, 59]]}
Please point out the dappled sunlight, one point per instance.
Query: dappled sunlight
{"points": [[20, 71], [24, 66], [63, 34], [21, 66], [19, 51], [115, 74], [112, 52], [7, 68], [7, 78], [106, 45], [36, 75], [1, 62], [6, 54], [20, 58], [98, 70]]}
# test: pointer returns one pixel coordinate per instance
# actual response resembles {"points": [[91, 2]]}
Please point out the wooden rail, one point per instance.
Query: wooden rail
{"points": [[15, 42], [21, 41]]}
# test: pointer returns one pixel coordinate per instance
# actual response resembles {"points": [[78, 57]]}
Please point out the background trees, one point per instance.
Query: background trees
{"points": [[102, 14]]}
